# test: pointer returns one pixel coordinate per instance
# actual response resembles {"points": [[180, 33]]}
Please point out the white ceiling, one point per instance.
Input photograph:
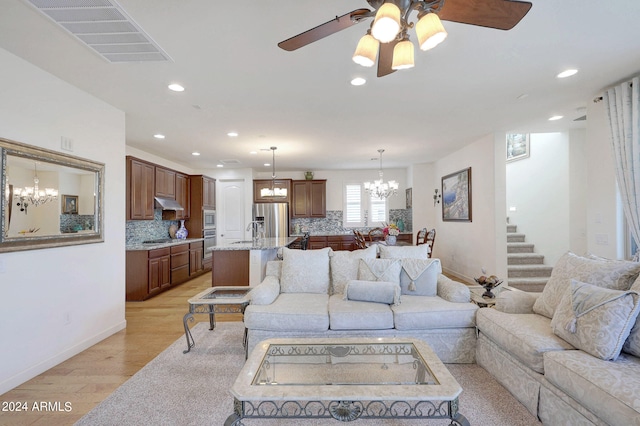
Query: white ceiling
{"points": [[237, 79]]}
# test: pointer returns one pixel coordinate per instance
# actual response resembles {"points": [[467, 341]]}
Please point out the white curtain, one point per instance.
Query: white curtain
{"points": [[623, 110]]}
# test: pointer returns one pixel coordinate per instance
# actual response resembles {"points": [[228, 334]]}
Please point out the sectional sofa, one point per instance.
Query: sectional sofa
{"points": [[571, 353], [322, 293]]}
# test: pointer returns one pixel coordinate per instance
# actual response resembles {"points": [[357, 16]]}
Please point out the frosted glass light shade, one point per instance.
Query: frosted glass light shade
{"points": [[366, 51], [430, 31], [403, 55], [386, 25]]}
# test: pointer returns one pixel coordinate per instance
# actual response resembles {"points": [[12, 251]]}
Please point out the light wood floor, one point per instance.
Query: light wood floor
{"points": [[89, 377]]}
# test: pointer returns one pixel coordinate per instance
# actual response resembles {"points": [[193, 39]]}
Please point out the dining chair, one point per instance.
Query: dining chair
{"points": [[421, 238], [431, 238], [376, 234], [359, 240]]}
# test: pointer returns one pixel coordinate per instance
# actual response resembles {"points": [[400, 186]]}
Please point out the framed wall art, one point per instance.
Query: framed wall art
{"points": [[517, 146], [69, 204], [456, 196]]}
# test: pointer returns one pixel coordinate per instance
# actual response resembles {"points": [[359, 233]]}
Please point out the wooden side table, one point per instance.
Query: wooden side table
{"points": [[216, 300]]}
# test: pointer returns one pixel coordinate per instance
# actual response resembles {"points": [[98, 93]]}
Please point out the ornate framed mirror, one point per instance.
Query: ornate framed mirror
{"points": [[49, 199]]}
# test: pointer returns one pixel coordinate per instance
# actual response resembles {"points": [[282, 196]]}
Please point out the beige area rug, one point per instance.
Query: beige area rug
{"points": [[193, 389]]}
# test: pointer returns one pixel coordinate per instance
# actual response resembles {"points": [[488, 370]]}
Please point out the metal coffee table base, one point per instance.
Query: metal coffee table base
{"points": [[346, 411]]}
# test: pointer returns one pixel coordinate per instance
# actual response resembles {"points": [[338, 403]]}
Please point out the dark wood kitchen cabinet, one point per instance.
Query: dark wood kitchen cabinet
{"points": [[165, 183], [159, 267], [196, 250], [202, 197], [308, 198], [208, 193], [148, 272], [139, 189], [179, 263], [183, 196], [341, 242]]}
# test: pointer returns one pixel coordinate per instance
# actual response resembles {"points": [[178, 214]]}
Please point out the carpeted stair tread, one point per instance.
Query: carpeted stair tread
{"points": [[524, 271], [512, 228], [515, 238], [529, 284], [520, 248], [525, 259]]}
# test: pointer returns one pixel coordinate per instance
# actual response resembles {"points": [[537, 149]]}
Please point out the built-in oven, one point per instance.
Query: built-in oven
{"points": [[209, 219], [209, 241]]}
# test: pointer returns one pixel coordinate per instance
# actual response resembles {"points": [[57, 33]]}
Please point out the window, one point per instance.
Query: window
{"points": [[356, 204]]}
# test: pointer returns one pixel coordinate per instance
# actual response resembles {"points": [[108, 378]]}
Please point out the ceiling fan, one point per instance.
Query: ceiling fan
{"points": [[393, 49]]}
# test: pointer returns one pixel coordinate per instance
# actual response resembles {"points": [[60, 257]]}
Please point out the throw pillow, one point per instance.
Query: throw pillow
{"points": [[344, 266], [266, 292], [305, 271], [404, 252], [632, 344], [380, 270], [420, 276], [607, 274], [595, 319], [373, 291]]}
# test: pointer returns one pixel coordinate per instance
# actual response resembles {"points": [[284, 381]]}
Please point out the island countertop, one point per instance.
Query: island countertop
{"points": [[264, 244]]}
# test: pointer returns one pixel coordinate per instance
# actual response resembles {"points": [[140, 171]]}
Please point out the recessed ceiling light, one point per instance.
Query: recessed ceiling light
{"points": [[358, 81], [232, 134], [567, 73], [253, 152], [556, 117], [176, 87], [267, 164], [158, 136], [196, 153], [220, 165]]}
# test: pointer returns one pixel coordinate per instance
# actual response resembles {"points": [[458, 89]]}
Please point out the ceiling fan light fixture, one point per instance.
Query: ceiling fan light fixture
{"points": [[386, 24], [430, 31], [366, 51], [403, 55]]}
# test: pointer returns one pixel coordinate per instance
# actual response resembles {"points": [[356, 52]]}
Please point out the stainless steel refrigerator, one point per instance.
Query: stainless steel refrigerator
{"points": [[276, 218]]}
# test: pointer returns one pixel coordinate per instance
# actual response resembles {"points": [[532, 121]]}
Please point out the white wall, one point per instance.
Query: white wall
{"points": [[538, 187], [54, 303], [466, 247]]}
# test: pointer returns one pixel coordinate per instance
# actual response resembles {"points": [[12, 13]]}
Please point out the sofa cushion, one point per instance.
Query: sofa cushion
{"points": [[525, 336], [356, 315], [379, 270], [595, 319], [344, 266], [419, 277], [432, 312], [372, 291], [607, 389], [305, 271], [265, 292], [404, 252], [632, 344], [615, 275], [453, 291], [290, 312], [274, 268]]}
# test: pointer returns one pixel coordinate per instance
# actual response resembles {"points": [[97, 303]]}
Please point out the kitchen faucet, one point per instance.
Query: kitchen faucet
{"points": [[257, 230]]}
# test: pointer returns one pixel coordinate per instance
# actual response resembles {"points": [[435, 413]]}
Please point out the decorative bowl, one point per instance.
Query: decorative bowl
{"points": [[488, 283]]}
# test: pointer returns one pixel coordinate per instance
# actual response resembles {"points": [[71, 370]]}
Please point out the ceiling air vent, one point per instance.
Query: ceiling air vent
{"points": [[583, 118], [230, 162], [104, 26]]}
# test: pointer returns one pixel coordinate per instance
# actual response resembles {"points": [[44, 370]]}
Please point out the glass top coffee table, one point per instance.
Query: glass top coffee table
{"points": [[345, 379]]}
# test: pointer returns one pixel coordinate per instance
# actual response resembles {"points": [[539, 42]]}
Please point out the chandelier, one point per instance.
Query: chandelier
{"points": [[378, 188], [391, 24], [34, 196], [273, 192]]}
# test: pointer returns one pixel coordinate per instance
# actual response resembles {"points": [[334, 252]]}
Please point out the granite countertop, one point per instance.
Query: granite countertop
{"points": [[330, 234], [265, 244], [154, 246]]}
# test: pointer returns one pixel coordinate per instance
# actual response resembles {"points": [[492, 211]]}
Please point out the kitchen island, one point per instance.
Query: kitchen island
{"points": [[243, 263]]}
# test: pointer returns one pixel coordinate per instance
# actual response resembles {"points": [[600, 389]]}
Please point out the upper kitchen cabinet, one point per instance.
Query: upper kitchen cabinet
{"points": [[165, 183], [183, 195], [208, 193], [309, 198], [260, 184], [140, 189]]}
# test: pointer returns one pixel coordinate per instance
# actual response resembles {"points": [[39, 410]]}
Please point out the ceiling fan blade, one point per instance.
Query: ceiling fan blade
{"points": [[321, 31], [385, 58], [499, 14]]}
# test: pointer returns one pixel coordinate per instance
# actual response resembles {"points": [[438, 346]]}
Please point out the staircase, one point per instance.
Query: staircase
{"points": [[525, 269]]}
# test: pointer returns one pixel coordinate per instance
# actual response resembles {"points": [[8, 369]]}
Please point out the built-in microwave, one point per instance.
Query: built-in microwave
{"points": [[209, 219]]}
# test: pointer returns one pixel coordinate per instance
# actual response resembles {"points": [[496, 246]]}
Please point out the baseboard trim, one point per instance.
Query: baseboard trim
{"points": [[45, 365], [458, 277]]}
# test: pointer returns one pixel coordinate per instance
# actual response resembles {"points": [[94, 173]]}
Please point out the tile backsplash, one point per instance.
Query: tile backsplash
{"points": [[332, 224], [141, 230]]}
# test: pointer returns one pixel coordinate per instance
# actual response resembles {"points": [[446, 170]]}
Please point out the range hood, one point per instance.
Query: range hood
{"points": [[168, 204]]}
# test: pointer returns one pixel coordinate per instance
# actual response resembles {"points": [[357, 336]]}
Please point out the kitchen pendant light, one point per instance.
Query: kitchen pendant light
{"points": [[273, 191]]}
